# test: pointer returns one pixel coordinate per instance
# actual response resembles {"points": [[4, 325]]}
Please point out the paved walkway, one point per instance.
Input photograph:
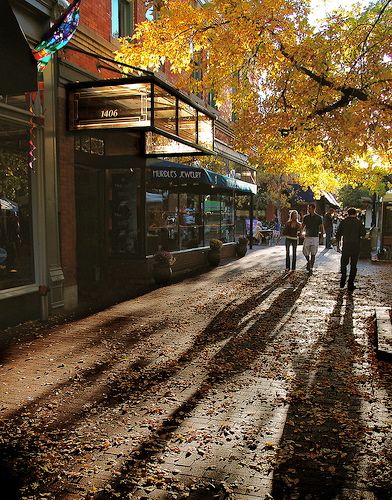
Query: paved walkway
{"points": [[245, 382]]}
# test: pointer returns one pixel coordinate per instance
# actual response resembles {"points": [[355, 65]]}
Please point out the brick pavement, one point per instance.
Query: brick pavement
{"points": [[244, 382]]}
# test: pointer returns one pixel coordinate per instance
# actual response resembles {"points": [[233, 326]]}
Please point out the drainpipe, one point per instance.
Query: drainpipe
{"points": [[251, 221]]}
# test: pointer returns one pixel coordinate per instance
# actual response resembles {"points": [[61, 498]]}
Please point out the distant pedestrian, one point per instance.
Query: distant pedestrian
{"points": [[291, 230], [328, 227], [313, 225], [351, 230], [276, 232]]}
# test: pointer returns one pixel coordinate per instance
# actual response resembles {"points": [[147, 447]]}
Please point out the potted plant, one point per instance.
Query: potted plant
{"points": [[214, 254], [241, 246], [162, 269]]}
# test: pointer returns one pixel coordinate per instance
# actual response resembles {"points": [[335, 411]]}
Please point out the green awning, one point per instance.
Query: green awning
{"points": [[164, 174]]}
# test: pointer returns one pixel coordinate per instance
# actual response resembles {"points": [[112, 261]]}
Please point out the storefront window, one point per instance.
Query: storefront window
{"points": [[242, 206], [181, 221], [123, 199], [165, 114], [227, 214], [190, 221], [16, 239], [161, 220], [212, 217], [186, 121]]}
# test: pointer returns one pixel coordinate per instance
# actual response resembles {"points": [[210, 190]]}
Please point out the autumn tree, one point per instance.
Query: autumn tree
{"points": [[313, 102]]}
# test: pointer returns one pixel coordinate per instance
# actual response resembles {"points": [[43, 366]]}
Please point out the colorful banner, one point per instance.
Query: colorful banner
{"points": [[58, 36]]}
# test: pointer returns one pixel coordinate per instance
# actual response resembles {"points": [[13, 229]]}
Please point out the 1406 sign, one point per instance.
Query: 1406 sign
{"points": [[109, 113]]}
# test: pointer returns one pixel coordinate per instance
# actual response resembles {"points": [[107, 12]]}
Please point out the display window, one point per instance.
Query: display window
{"points": [[227, 218], [124, 188], [190, 221], [162, 220], [182, 221], [242, 209], [16, 238], [212, 217]]}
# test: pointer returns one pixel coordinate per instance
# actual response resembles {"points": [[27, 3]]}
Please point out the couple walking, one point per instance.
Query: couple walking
{"points": [[311, 225], [351, 230]]}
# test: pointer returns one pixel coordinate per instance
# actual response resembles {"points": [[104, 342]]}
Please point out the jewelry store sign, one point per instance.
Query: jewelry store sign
{"points": [[175, 174]]}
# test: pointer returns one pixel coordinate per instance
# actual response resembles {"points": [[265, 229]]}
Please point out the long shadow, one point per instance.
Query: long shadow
{"points": [[146, 379], [225, 364], [323, 425], [22, 436]]}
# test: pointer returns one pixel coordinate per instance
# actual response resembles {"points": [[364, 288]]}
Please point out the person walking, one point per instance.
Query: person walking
{"points": [[313, 225], [291, 230], [276, 231], [351, 230], [328, 227]]}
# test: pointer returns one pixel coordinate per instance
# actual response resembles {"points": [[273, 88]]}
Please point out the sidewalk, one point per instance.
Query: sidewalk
{"points": [[245, 382]]}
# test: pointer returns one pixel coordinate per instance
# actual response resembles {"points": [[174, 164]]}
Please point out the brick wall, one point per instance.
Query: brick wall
{"points": [[96, 14], [67, 194]]}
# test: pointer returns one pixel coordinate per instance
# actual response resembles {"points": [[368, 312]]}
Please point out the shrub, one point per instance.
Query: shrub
{"points": [[163, 257], [242, 241], [215, 244]]}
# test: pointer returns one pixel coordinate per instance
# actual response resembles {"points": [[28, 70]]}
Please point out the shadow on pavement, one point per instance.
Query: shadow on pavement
{"points": [[323, 425]]}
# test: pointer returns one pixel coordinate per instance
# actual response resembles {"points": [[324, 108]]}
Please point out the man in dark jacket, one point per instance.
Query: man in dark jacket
{"points": [[328, 227], [351, 229]]}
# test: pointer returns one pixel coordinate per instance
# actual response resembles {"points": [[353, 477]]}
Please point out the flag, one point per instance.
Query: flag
{"points": [[58, 36]]}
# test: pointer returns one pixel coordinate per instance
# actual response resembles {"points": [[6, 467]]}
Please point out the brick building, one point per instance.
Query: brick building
{"points": [[107, 191]]}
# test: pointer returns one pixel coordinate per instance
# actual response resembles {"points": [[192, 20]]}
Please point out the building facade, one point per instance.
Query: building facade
{"points": [[100, 172]]}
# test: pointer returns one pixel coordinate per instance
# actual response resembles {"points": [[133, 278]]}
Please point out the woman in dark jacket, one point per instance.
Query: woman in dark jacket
{"points": [[291, 230]]}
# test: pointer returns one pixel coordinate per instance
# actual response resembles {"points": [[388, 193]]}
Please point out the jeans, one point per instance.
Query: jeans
{"points": [[349, 255], [328, 238], [293, 243]]}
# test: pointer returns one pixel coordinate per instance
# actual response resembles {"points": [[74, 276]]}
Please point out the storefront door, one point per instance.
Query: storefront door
{"points": [[89, 191]]}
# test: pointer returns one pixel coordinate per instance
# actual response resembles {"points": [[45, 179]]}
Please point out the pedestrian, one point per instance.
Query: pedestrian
{"points": [[276, 231], [291, 230], [313, 225], [328, 227], [351, 230]]}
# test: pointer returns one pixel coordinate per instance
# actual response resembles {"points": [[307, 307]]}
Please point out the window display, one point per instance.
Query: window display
{"points": [[182, 221], [190, 219], [123, 212], [227, 217], [16, 241], [212, 217]]}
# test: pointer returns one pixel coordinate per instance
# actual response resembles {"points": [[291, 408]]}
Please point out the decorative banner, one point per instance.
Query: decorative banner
{"points": [[31, 99], [58, 36]]}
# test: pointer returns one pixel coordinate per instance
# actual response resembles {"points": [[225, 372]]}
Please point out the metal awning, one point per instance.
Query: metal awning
{"points": [[164, 174], [172, 122], [18, 66], [330, 198]]}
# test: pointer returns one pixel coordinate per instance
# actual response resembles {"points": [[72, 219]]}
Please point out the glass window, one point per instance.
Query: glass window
{"points": [[164, 110], [242, 206], [161, 221], [123, 198], [227, 214], [157, 144], [212, 217], [152, 9], [387, 219], [120, 106], [205, 131], [122, 18], [16, 238], [190, 221], [186, 122]]}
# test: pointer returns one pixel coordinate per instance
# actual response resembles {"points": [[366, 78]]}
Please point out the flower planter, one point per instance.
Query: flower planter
{"points": [[162, 274], [241, 250], [214, 257]]}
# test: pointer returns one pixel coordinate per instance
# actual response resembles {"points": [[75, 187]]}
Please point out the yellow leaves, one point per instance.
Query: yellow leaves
{"points": [[291, 87]]}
